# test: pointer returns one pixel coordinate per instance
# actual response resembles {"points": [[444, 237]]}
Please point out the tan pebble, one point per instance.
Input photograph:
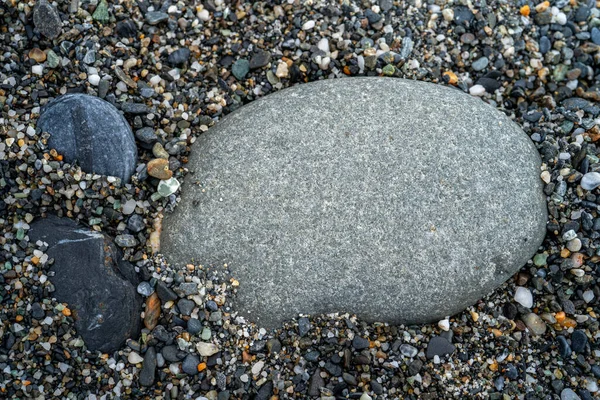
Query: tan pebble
{"points": [[37, 55], [159, 168]]}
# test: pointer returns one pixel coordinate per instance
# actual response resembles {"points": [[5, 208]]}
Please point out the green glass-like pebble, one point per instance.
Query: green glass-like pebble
{"points": [[389, 70], [540, 259], [101, 13]]}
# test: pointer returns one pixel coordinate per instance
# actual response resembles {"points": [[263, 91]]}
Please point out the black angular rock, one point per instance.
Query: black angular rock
{"points": [[578, 341], [126, 28], [92, 132], [463, 15], [360, 343], [439, 346], [316, 383], [304, 326], [164, 292], [91, 277], [179, 57], [259, 59], [47, 20]]}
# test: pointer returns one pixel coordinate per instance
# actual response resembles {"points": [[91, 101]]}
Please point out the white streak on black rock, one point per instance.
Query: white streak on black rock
{"points": [[91, 277]]}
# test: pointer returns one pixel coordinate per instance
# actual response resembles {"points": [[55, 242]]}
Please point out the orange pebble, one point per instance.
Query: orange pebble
{"points": [[568, 323], [452, 78], [564, 253], [525, 10], [560, 316], [201, 367], [152, 312], [19, 318]]}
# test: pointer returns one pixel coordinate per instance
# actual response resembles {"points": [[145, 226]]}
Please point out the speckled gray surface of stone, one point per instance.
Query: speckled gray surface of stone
{"points": [[400, 201], [92, 132]]}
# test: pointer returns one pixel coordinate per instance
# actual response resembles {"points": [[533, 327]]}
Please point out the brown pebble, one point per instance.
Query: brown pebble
{"points": [[152, 312], [159, 168], [37, 55], [522, 279]]}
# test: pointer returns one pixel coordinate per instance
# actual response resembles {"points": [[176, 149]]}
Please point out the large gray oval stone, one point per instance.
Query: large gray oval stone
{"points": [[397, 200], [91, 131]]}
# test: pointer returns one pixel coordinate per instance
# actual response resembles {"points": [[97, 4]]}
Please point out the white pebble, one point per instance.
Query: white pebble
{"points": [[524, 297], [448, 14], [591, 385], [588, 296], [323, 45], [129, 207], [308, 25], [590, 181], [244, 378], [477, 90], [204, 15], [256, 368], [94, 79], [37, 70], [561, 18], [134, 358], [444, 324]]}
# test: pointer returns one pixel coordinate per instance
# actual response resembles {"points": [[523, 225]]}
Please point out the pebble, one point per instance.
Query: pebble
{"points": [[240, 68], [135, 223], [308, 25], [574, 245], [534, 323], [185, 306], [259, 59], [304, 326], [477, 90], [359, 343], [159, 168], [564, 349], [194, 326], [145, 289], [578, 341], [590, 181], [596, 35], [148, 372], [439, 346], [480, 64], [207, 349], [134, 358], [190, 364], [47, 19], [569, 394], [168, 187], [524, 297], [179, 57], [408, 350], [444, 324]]}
